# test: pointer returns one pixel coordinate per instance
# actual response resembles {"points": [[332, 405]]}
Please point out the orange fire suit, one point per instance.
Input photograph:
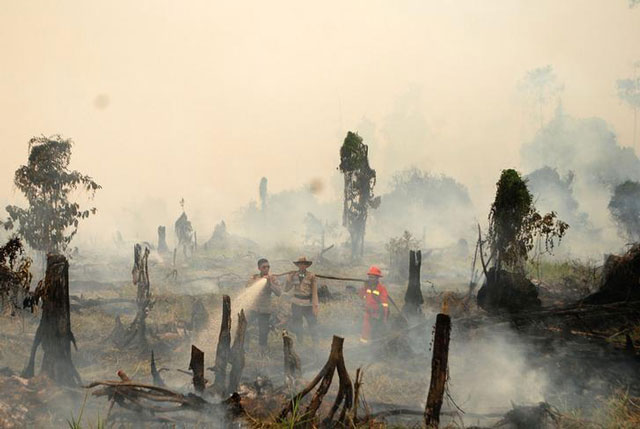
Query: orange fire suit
{"points": [[376, 310]]}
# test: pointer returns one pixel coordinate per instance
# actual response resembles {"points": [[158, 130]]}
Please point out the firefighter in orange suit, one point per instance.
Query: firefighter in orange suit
{"points": [[376, 306]]}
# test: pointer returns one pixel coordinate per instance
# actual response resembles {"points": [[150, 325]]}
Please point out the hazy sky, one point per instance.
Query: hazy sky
{"points": [[200, 99]]}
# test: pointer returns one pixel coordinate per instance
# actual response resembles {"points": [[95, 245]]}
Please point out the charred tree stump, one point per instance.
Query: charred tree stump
{"points": [[323, 379], [136, 334], [356, 395], [197, 366], [439, 364], [162, 240], [157, 380], [237, 354], [291, 361], [413, 298], [54, 331], [224, 347]]}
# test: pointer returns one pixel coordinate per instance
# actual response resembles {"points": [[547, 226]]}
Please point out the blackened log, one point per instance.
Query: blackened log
{"points": [[439, 364], [413, 298], [136, 335], [237, 358], [196, 365], [223, 348]]}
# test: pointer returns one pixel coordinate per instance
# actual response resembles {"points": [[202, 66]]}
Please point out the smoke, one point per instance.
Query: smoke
{"points": [[283, 218], [435, 208], [579, 162]]}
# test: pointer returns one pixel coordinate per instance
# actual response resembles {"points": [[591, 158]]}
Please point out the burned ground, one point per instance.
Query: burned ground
{"points": [[551, 355]]}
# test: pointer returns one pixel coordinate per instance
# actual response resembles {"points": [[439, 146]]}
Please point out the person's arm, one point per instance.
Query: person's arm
{"points": [[314, 295], [274, 285]]}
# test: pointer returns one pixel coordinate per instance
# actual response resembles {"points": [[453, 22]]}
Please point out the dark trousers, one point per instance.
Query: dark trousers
{"points": [[297, 313], [262, 320]]}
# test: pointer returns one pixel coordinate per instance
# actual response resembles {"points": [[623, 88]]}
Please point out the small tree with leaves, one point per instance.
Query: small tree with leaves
{"points": [[514, 224], [51, 219], [399, 248], [359, 180], [624, 207], [15, 277]]}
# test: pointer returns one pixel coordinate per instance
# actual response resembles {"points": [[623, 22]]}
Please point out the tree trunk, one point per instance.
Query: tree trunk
{"points": [[136, 335], [162, 240], [413, 298], [237, 354], [291, 361], [54, 331], [199, 316], [223, 349], [197, 366], [439, 364]]}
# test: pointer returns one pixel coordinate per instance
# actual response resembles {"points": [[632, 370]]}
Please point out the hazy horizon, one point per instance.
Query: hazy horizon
{"points": [[202, 100]]}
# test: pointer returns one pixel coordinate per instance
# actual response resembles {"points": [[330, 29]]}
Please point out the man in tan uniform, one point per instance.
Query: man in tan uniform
{"points": [[304, 303], [260, 313]]}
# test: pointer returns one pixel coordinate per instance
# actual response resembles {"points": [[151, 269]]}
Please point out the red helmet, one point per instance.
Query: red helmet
{"points": [[374, 271]]}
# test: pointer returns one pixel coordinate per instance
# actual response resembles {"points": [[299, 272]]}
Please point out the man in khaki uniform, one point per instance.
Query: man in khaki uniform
{"points": [[304, 303], [260, 313]]}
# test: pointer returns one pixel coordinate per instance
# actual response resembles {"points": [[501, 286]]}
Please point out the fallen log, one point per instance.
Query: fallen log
{"points": [[145, 399], [323, 381]]}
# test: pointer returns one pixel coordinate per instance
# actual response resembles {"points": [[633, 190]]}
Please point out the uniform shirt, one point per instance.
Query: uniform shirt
{"points": [[262, 303], [376, 299], [303, 288]]}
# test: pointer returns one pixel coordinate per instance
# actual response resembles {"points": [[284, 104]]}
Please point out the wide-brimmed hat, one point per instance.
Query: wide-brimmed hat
{"points": [[302, 261]]}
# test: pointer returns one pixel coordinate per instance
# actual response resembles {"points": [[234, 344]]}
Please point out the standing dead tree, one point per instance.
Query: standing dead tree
{"points": [[291, 361], [199, 316], [162, 240], [135, 334], [263, 194], [323, 380], [439, 364], [54, 331], [197, 366], [184, 231], [237, 354], [223, 349], [413, 298], [359, 180]]}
